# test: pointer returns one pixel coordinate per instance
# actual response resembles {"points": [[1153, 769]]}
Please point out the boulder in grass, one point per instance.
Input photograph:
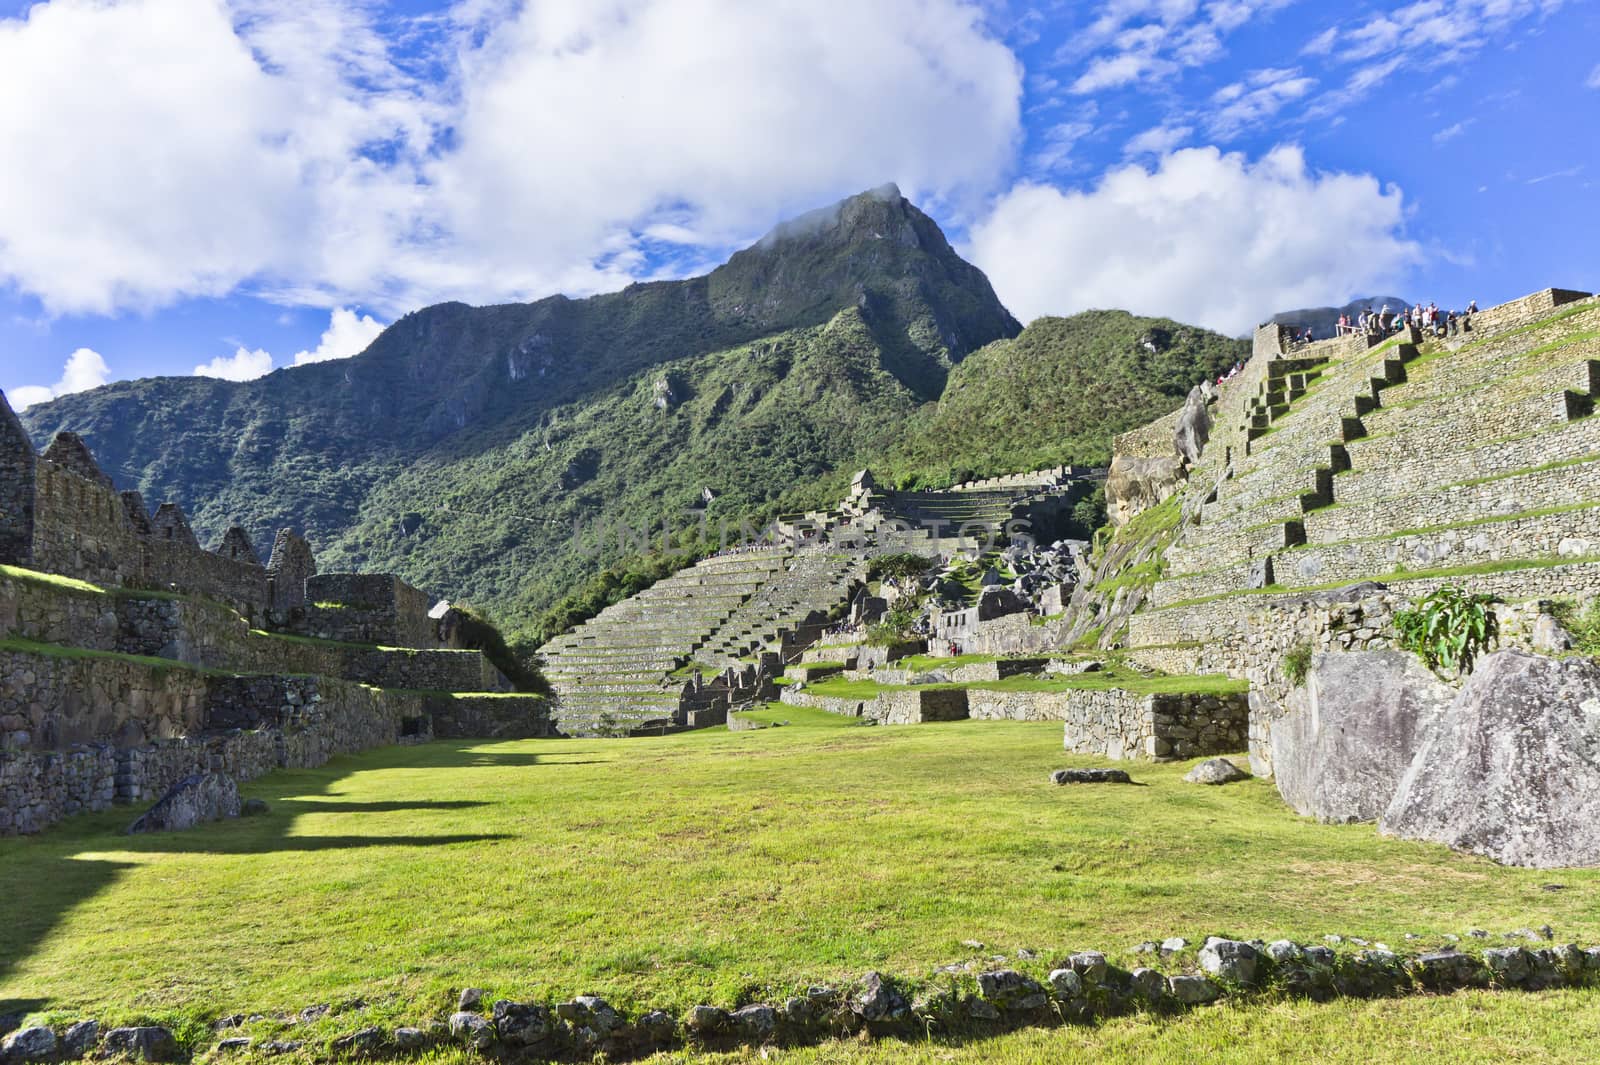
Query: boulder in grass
{"points": [[145, 1043], [29, 1044], [79, 1039], [1229, 959], [1215, 771], [472, 1030], [194, 800], [1193, 990], [1090, 776]]}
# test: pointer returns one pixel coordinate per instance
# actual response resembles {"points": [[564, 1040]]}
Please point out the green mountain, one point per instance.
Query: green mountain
{"points": [[498, 453], [1058, 393]]}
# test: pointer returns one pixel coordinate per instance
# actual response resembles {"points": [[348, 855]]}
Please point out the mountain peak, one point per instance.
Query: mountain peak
{"points": [[874, 206], [876, 250]]}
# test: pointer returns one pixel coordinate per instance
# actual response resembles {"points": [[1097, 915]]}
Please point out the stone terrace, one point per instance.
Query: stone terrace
{"points": [[1419, 461], [612, 672]]}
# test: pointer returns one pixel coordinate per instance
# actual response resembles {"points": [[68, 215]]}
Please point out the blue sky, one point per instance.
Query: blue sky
{"points": [[240, 186]]}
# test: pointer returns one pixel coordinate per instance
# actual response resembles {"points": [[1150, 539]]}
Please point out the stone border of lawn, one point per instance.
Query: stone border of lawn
{"points": [[959, 1003]]}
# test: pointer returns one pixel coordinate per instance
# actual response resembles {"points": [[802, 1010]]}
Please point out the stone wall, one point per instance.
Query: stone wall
{"points": [[173, 564], [52, 701], [299, 722], [18, 463], [1150, 441], [368, 608], [495, 717], [1120, 724], [199, 632], [81, 530], [915, 706], [1010, 635], [1524, 311]]}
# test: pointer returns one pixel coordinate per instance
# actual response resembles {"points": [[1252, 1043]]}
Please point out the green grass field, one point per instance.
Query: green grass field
{"points": [[738, 867]]}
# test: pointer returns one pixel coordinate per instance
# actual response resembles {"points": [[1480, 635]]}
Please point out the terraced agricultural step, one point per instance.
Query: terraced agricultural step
{"points": [[1448, 372], [1484, 401], [1558, 487], [1242, 544], [1525, 451], [1190, 622], [1409, 439]]}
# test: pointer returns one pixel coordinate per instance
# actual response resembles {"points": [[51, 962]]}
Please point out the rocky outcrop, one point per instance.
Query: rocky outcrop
{"points": [[1511, 770], [1137, 483], [1350, 733], [193, 800], [1194, 427]]}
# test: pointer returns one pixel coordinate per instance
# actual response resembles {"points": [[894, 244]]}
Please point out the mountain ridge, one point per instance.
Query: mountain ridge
{"points": [[485, 451]]}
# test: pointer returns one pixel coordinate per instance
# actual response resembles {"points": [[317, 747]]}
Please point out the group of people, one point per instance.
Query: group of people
{"points": [[1233, 371], [1429, 319]]}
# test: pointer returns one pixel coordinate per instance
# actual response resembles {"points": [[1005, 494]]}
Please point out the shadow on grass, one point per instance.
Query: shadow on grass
{"points": [[43, 879], [316, 806], [63, 882]]}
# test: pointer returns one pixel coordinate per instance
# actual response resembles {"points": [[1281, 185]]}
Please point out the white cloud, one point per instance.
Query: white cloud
{"points": [[1146, 42], [1157, 141], [1451, 132], [1593, 81], [242, 365], [85, 369], [1418, 35], [158, 149], [1257, 98], [1322, 43], [347, 334], [1205, 237]]}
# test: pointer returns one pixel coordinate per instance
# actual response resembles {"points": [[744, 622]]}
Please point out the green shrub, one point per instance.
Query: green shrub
{"points": [[480, 634], [1448, 628], [1297, 663], [894, 628], [903, 564], [1088, 514]]}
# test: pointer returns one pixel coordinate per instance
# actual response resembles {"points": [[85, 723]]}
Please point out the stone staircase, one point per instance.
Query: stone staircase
{"points": [[1470, 459]]}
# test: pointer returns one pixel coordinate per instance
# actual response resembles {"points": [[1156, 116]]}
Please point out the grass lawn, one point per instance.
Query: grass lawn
{"points": [[807, 716], [735, 867]]}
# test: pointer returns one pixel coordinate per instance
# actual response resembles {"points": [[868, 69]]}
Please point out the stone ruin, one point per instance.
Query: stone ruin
{"points": [[237, 546], [87, 720], [290, 566]]}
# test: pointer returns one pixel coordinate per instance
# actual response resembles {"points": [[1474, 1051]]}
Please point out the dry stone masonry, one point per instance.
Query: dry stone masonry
{"points": [[967, 998], [1340, 483], [134, 659]]}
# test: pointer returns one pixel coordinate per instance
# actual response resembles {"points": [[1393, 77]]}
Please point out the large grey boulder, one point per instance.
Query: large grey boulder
{"points": [[1137, 483], [1349, 734], [193, 800], [1194, 427], [1512, 770], [998, 601], [1215, 771]]}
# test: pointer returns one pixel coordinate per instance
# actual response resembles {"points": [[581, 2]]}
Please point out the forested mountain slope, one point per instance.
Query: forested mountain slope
{"points": [[494, 453]]}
